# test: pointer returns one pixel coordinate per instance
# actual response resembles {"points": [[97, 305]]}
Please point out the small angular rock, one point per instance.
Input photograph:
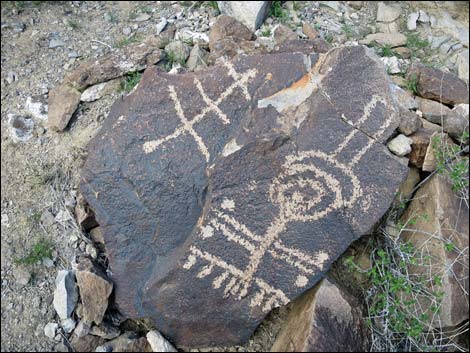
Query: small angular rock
{"points": [[95, 289], [159, 343], [409, 122], [68, 325], [324, 319], [86, 343], [438, 85], [250, 13], [127, 342], [400, 145], [65, 294], [37, 107], [419, 145], [433, 111], [95, 92], [387, 13], [63, 101], [50, 329], [105, 330]]}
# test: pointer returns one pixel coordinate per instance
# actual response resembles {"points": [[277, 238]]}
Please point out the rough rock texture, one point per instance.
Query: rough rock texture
{"points": [[224, 193], [439, 85], [419, 145], [250, 13], [324, 319], [433, 111], [86, 343], [63, 101], [409, 122], [65, 294], [448, 218], [456, 123], [95, 288], [317, 45], [229, 37], [127, 342], [100, 90]]}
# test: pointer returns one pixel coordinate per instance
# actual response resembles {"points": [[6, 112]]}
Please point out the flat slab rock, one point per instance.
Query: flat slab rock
{"points": [[225, 193]]}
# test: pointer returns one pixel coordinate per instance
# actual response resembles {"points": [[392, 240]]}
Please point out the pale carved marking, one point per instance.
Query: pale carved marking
{"points": [[186, 127], [287, 193]]}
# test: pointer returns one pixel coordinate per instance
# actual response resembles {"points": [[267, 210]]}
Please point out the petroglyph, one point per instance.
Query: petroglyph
{"points": [[233, 189], [286, 193], [187, 126]]}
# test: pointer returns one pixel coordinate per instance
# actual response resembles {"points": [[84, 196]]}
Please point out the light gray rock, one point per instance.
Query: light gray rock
{"points": [[456, 123], [404, 99], [50, 329], [178, 50], [250, 13], [411, 22], [21, 128], [159, 343], [400, 145], [391, 39], [126, 31], [332, 5], [142, 17], [37, 107], [91, 250], [462, 65], [186, 35], [423, 17], [387, 13], [68, 325], [391, 64], [65, 294], [11, 77], [56, 43], [21, 275], [100, 90], [83, 328], [452, 27], [161, 25], [16, 27], [197, 58], [47, 262]]}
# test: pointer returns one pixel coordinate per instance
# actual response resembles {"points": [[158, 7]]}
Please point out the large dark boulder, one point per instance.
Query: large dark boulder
{"points": [[224, 193]]}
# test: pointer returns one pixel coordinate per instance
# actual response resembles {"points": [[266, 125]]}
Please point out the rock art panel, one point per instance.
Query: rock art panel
{"points": [[225, 193]]}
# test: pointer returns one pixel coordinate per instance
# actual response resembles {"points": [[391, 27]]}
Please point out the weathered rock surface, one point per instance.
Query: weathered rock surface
{"points": [[105, 330], [409, 122], [283, 33], [324, 319], [226, 192], [86, 343], [95, 288], [419, 145], [438, 85], [229, 37], [65, 294], [21, 128], [433, 111], [250, 13], [37, 107], [127, 342], [447, 221], [63, 101], [457, 121]]}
